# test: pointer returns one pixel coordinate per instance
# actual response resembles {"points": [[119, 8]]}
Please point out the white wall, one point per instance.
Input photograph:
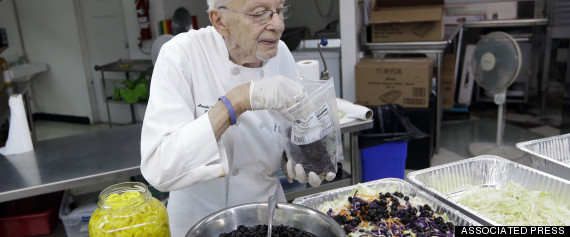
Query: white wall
{"points": [[350, 28], [106, 41], [8, 21], [159, 10], [50, 35], [133, 31], [73, 36], [61, 34]]}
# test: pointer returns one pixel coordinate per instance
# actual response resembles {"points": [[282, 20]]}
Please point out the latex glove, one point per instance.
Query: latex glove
{"points": [[298, 172], [274, 93]]}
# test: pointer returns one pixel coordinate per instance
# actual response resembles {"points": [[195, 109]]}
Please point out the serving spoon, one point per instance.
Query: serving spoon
{"points": [[272, 204]]}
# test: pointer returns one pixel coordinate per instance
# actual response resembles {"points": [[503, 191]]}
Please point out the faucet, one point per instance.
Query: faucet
{"points": [[325, 73]]}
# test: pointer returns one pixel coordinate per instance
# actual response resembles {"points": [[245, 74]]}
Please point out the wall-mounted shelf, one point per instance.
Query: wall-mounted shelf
{"points": [[506, 23]]}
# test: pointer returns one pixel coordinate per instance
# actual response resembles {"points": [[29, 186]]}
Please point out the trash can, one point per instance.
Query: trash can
{"points": [[384, 147]]}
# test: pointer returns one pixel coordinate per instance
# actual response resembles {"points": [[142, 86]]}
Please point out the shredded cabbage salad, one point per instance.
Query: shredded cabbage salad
{"points": [[369, 212], [514, 205]]}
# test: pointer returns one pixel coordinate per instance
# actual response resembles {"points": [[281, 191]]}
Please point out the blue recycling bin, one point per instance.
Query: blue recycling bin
{"points": [[385, 160], [384, 148]]}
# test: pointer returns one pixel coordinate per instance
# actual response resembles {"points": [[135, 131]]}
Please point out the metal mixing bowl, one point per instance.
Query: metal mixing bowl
{"points": [[252, 214]]}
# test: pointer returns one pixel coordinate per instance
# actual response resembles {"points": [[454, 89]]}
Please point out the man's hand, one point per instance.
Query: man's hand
{"points": [[296, 171], [274, 93]]}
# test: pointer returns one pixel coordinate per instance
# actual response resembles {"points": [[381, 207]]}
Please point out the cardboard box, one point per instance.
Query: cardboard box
{"points": [[392, 21], [448, 81], [403, 81]]}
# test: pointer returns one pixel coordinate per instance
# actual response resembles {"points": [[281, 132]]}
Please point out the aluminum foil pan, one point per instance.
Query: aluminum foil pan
{"points": [[551, 155], [448, 182], [390, 185]]}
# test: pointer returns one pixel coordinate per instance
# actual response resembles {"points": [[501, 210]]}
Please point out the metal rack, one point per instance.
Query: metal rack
{"points": [[506, 23], [126, 66], [432, 49], [557, 29]]}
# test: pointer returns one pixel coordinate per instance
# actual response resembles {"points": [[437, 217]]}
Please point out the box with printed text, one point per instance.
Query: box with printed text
{"points": [[403, 81]]}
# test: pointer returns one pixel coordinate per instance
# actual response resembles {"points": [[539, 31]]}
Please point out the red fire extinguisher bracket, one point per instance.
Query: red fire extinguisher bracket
{"points": [[142, 7]]}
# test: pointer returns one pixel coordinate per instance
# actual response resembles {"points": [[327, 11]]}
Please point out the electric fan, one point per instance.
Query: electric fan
{"points": [[496, 64]]}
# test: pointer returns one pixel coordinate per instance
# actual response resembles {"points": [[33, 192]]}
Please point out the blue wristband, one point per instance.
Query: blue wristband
{"points": [[230, 109]]}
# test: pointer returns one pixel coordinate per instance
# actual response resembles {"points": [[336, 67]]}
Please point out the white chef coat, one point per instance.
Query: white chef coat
{"points": [[179, 151]]}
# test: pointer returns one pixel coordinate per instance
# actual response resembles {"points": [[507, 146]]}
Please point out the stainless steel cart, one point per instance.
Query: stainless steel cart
{"points": [[128, 67]]}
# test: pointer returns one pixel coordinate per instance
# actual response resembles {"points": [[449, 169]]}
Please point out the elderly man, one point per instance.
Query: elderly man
{"points": [[198, 141]]}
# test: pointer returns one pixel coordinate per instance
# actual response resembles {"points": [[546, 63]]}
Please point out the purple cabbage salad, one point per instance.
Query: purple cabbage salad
{"points": [[371, 213]]}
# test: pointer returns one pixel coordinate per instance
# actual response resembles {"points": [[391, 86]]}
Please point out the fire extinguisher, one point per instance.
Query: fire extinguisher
{"points": [[144, 21]]}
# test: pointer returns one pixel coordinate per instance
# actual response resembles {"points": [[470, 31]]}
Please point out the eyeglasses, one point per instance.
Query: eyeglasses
{"points": [[262, 17]]}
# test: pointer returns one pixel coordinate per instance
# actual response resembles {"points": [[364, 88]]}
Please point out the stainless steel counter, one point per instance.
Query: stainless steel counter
{"points": [[94, 157], [71, 162]]}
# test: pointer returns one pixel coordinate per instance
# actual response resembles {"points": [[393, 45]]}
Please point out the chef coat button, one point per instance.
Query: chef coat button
{"points": [[235, 71], [262, 73], [261, 126], [235, 172]]}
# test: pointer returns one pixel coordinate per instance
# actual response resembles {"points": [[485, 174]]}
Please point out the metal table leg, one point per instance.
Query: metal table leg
{"points": [[356, 163], [104, 91], [28, 105], [545, 69], [439, 57], [133, 115]]}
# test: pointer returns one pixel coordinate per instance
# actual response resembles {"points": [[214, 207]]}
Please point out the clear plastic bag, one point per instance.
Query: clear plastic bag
{"points": [[313, 138]]}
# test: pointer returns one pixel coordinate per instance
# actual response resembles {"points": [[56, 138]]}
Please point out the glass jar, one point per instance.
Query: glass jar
{"points": [[128, 209]]}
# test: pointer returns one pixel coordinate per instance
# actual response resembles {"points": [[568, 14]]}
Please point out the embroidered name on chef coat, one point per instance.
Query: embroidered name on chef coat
{"points": [[202, 109]]}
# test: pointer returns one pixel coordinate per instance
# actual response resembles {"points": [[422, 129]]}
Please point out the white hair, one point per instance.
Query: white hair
{"points": [[213, 4]]}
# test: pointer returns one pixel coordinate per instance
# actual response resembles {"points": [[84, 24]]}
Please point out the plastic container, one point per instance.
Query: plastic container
{"points": [[128, 209], [386, 160], [75, 212], [30, 216]]}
